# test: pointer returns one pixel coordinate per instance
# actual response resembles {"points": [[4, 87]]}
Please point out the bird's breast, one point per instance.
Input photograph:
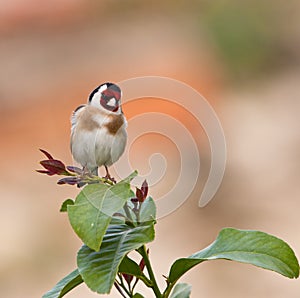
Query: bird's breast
{"points": [[115, 123], [93, 119]]}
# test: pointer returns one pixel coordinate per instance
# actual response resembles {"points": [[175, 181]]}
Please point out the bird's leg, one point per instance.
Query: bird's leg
{"points": [[95, 171], [107, 176], [85, 170], [88, 172]]}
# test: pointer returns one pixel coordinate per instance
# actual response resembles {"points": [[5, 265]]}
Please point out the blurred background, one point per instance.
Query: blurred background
{"points": [[243, 56]]}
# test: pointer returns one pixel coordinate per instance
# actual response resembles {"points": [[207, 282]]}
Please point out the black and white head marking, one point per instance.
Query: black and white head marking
{"points": [[107, 96]]}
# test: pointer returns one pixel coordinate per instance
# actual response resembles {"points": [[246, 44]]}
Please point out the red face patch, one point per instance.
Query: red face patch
{"points": [[108, 94]]}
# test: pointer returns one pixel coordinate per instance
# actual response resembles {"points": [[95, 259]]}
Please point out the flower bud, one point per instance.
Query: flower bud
{"points": [[144, 189]]}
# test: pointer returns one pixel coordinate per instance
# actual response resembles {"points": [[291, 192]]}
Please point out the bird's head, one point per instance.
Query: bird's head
{"points": [[106, 96]]}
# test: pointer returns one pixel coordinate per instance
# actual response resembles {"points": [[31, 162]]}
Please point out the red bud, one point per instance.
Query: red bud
{"points": [[142, 264], [134, 200], [128, 278], [54, 166], [44, 172], [139, 194], [74, 169], [144, 189], [69, 180], [47, 154]]}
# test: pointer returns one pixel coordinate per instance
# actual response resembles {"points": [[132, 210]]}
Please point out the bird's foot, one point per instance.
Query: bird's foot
{"points": [[108, 177], [86, 171]]}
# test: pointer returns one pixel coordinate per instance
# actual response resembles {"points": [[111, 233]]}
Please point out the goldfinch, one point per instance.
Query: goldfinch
{"points": [[98, 133]]}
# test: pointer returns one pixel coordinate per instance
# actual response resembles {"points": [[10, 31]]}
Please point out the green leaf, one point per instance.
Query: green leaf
{"points": [[148, 211], [94, 207], [65, 204], [117, 220], [128, 266], [137, 295], [181, 290], [99, 269], [65, 285], [130, 177], [252, 247]]}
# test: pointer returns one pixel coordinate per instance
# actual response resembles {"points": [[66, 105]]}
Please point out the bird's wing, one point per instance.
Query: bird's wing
{"points": [[75, 114]]}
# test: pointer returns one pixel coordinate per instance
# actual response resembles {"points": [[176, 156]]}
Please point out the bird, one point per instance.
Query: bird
{"points": [[98, 130]]}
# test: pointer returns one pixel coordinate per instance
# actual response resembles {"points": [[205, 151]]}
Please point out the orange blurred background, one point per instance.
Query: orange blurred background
{"points": [[242, 56]]}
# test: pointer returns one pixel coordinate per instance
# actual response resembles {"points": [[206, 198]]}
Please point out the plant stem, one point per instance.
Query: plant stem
{"points": [[143, 251], [119, 290], [121, 283], [167, 291]]}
